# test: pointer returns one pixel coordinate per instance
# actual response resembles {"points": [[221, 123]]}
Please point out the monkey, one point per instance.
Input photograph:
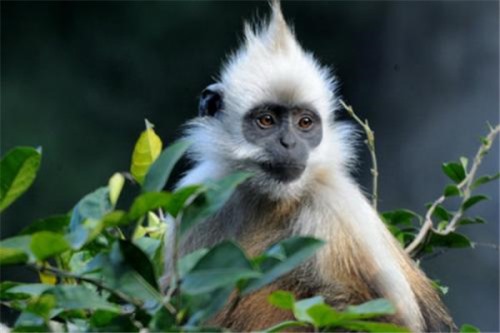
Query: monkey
{"points": [[272, 113]]}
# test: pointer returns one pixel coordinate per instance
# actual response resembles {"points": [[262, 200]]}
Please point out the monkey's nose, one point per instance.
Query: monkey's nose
{"points": [[288, 141]]}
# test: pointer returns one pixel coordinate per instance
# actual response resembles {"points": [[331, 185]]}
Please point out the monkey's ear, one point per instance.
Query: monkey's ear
{"points": [[211, 100]]}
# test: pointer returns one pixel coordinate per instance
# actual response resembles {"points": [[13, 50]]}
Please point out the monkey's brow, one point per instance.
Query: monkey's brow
{"points": [[272, 106]]}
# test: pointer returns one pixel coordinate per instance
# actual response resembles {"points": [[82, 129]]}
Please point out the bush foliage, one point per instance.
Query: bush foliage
{"points": [[100, 265]]}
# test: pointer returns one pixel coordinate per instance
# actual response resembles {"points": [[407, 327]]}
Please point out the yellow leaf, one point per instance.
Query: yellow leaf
{"points": [[47, 278], [115, 185], [139, 232], [147, 149], [153, 220], [156, 227]]}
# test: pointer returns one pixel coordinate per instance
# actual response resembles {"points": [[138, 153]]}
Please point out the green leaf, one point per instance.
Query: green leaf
{"points": [[30, 322], [147, 202], [442, 213], [223, 265], [374, 308], [146, 151], [66, 296], [181, 196], [162, 321], [84, 233], [295, 250], [285, 325], [400, 217], [42, 306], [153, 248], [138, 261], [117, 272], [160, 170], [58, 224], [395, 231], [485, 179], [451, 190], [101, 318], [443, 290], [148, 245], [211, 201], [367, 326], [31, 289], [301, 308], [455, 171], [442, 225], [46, 244], [476, 220], [323, 315], [452, 240], [115, 218], [4, 288], [472, 201], [9, 256], [105, 321], [282, 299], [85, 223], [18, 169], [466, 328], [71, 297], [190, 260], [205, 306], [11, 249], [93, 206]]}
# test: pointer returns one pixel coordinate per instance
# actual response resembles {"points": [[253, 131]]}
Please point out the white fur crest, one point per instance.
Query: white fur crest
{"points": [[270, 67]]}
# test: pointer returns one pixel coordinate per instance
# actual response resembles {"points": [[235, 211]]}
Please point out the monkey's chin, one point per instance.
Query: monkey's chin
{"points": [[283, 172]]}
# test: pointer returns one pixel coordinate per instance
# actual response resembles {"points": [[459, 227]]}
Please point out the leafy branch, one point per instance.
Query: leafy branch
{"points": [[370, 143], [79, 278], [98, 247], [109, 260], [464, 187]]}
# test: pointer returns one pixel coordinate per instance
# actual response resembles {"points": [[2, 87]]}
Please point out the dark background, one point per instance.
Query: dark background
{"points": [[78, 78]]}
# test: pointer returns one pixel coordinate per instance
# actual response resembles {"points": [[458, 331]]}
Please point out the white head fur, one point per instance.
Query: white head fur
{"points": [[269, 67]]}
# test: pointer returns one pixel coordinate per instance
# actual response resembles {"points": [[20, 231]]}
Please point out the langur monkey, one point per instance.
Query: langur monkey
{"points": [[272, 114]]}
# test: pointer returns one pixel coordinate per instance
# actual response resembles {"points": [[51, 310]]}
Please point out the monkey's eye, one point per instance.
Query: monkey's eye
{"points": [[265, 121], [305, 122]]}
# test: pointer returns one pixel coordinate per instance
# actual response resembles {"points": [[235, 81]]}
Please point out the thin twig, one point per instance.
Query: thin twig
{"points": [[67, 275], [175, 278], [487, 245], [464, 186], [79, 278], [234, 304], [370, 143]]}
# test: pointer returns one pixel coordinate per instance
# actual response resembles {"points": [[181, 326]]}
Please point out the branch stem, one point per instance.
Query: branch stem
{"points": [[465, 186], [67, 275], [370, 143]]}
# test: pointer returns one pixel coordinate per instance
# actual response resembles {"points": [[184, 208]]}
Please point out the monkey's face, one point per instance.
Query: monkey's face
{"points": [[286, 135], [280, 137], [271, 113]]}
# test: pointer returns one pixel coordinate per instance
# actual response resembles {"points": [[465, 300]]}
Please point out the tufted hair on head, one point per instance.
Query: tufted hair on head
{"points": [[270, 67]]}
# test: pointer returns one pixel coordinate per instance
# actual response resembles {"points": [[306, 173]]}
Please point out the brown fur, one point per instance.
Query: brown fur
{"points": [[265, 222]]}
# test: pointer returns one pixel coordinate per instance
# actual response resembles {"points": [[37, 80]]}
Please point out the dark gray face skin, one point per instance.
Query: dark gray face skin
{"points": [[287, 135]]}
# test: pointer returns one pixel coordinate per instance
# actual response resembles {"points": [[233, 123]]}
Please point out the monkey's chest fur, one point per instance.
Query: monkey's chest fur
{"points": [[256, 227]]}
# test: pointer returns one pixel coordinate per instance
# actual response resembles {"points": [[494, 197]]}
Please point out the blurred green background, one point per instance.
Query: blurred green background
{"points": [[78, 78]]}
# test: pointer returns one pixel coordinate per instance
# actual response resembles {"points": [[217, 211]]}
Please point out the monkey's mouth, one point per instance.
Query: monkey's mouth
{"points": [[283, 172]]}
